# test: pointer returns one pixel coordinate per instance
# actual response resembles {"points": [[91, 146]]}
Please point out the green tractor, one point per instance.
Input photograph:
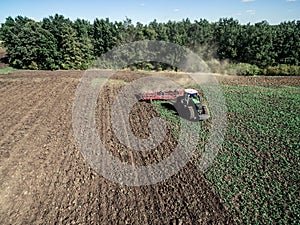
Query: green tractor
{"points": [[187, 102]]}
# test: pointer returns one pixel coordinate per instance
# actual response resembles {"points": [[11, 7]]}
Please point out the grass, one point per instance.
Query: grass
{"points": [[7, 70], [257, 173]]}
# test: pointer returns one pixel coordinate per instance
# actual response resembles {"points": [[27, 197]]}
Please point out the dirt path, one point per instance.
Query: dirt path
{"points": [[44, 178]]}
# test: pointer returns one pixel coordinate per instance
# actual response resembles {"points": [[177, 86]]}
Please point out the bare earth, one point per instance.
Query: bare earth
{"points": [[45, 180]]}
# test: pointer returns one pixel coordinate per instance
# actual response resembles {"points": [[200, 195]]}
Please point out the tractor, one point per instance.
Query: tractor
{"points": [[187, 102]]}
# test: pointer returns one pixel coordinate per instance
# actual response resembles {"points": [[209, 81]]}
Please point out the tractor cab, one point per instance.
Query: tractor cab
{"points": [[193, 99], [192, 95]]}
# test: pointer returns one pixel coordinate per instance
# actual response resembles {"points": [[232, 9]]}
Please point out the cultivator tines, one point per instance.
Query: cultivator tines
{"points": [[160, 95]]}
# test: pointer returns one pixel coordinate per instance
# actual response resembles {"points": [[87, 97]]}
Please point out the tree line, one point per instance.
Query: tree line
{"points": [[57, 42]]}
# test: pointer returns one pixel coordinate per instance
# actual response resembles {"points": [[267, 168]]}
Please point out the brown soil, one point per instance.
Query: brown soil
{"points": [[45, 180], [260, 81]]}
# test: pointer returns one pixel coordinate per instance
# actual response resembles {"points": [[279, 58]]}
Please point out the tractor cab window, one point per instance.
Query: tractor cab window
{"points": [[195, 99]]}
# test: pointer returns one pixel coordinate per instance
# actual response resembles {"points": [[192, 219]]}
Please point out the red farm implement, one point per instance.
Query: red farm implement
{"points": [[187, 102]]}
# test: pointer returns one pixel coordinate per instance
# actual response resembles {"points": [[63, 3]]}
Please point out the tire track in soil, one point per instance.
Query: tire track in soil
{"points": [[106, 187]]}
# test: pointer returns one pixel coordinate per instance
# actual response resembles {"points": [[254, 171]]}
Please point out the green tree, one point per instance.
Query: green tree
{"points": [[28, 44], [287, 43], [83, 31], [257, 47], [201, 39], [71, 52], [56, 25], [105, 36], [59, 43], [226, 36], [160, 30]]}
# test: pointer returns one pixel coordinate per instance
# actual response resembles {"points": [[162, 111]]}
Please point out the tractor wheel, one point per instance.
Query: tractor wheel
{"points": [[205, 113]]}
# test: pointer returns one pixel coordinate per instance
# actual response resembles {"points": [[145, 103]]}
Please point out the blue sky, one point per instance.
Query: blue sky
{"points": [[145, 11]]}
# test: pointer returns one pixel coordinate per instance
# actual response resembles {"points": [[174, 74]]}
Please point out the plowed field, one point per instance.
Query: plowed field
{"points": [[45, 180]]}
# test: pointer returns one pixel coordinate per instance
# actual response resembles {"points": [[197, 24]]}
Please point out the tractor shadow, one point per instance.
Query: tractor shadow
{"points": [[170, 106], [179, 111]]}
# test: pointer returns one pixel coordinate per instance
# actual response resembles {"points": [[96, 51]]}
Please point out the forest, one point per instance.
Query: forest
{"points": [[227, 46]]}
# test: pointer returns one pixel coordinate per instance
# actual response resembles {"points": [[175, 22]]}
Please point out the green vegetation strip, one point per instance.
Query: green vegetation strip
{"points": [[7, 70], [256, 173]]}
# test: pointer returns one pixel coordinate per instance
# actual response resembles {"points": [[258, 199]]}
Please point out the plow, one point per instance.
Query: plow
{"points": [[188, 103]]}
